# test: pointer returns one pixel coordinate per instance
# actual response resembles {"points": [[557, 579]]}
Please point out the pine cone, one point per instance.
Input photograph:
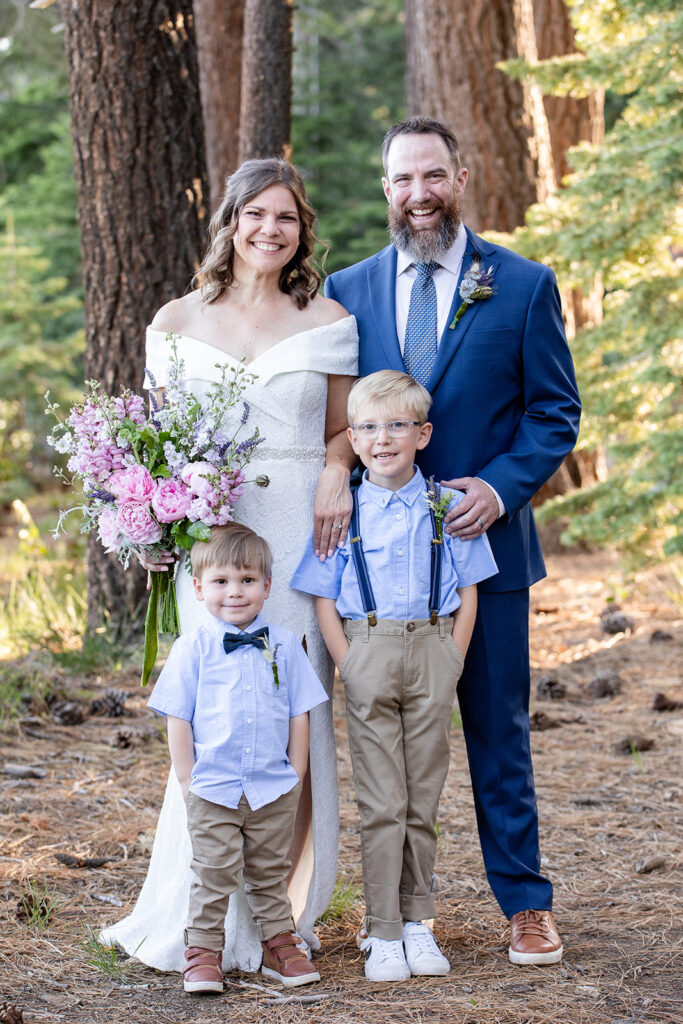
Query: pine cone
{"points": [[110, 704], [67, 712], [9, 1014]]}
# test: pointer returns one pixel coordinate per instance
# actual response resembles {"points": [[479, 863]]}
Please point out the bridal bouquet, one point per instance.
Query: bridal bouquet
{"points": [[154, 482]]}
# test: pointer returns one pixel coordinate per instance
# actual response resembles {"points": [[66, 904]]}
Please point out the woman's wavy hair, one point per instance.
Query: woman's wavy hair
{"points": [[298, 278]]}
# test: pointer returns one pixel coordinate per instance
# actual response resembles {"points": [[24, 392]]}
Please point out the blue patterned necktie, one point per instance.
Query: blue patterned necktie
{"points": [[419, 349]]}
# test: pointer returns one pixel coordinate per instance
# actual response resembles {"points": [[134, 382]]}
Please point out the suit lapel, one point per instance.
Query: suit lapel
{"points": [[451, 340], [382, 291]]}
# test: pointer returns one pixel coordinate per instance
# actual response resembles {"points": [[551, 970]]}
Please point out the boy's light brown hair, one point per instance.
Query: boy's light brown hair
{"points": [[389, 390], [232, 544]]}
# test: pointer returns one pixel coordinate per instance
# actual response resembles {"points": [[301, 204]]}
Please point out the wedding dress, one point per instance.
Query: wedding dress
{"points": [[287, 402]]}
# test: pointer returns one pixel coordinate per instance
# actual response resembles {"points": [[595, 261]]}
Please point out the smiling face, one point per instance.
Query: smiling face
{"points": [[389, 460], [424, 191], [268, 231], [233, 595]]}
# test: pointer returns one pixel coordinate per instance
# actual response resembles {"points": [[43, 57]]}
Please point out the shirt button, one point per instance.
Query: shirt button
{"points": [[411, 627], [249, 721], [398, 515], [248, 689], [244, 778], [400, 551], [248, 750], [400, 590]]}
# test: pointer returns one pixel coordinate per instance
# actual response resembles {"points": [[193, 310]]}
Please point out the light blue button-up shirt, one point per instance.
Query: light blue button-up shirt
{"points": [[240, 718], [396, 530]]}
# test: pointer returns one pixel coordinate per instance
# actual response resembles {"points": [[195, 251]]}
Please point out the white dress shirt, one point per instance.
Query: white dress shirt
{"points": [[445, 280]]}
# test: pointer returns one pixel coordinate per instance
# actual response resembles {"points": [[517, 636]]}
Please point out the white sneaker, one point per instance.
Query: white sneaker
{"points": [[423, 956], [384, 959]]}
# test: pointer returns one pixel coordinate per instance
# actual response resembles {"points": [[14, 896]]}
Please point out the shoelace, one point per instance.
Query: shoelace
{"points": [[534, 922], [391, 949], [423, 941]]}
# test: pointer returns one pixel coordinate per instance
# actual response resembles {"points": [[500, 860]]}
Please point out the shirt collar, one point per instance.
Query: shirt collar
{"points": [[219, 628], [381, 496], [450, 261]]}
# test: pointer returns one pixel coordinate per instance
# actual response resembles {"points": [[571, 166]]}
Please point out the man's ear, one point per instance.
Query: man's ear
{"points": [[387, 189]]}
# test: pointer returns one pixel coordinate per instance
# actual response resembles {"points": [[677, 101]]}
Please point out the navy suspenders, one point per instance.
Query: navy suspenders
{"points": [[361, 567]]}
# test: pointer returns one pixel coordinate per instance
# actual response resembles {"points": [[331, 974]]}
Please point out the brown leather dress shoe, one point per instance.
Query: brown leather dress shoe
{"points": [[534, 938], [287, 962], [203, 971]]}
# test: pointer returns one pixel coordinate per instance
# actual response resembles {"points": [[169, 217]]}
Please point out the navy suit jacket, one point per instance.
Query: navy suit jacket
{"points": [[505, 402]]}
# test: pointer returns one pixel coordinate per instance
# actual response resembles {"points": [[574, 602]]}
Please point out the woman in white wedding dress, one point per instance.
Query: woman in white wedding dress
{"points": [[258, 303]]}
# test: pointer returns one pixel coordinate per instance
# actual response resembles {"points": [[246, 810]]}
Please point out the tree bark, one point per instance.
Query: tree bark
{"points": [[266, 79], [218, 29], [139, 166]]}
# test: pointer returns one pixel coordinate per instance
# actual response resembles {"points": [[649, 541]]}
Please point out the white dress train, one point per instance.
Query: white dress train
{"points": [[287, 402]]}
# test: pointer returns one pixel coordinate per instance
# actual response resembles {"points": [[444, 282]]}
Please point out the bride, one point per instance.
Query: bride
{"points": [[258, 303]]}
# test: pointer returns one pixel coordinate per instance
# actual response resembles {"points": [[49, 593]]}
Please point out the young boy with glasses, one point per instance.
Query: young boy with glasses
{"points": [[396, 606]]}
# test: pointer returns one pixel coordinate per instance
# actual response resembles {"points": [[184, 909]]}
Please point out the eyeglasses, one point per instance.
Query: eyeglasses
{"points": [[397, 428]]}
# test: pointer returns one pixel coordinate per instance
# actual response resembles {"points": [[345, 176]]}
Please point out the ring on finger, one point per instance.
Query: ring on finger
{"points": [[480, 522], [337, 526]]}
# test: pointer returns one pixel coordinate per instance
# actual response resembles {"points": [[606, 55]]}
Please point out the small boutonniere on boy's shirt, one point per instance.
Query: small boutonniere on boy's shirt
{"points": [[270, 654], [438, 501], [477, 285]]}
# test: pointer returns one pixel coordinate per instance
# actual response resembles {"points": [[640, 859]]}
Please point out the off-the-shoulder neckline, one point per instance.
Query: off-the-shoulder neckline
{"points": [[272, 348]]}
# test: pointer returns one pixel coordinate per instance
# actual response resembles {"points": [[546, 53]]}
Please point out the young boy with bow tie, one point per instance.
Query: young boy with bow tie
{"points": [[236, 694]]}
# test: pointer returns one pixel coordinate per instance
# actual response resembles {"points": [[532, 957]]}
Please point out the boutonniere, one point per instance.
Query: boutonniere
{"points": [[438, 501], [477, 285], [270, 654]]}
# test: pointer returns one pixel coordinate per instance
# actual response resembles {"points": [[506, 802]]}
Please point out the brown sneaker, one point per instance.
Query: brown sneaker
{"points": [[285, 961], [534, 938], [203, 971]]}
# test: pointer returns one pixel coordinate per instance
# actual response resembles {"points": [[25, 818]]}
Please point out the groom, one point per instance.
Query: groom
{"points": [[505, 413]]}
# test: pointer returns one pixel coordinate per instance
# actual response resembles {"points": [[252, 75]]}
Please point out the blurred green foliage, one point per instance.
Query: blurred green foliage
{"points": [[348, 86], [619, 216], [41, 308]]}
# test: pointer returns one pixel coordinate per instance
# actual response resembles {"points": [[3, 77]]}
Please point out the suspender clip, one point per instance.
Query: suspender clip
{"points": [[372, 619], [433, 618], [435, 540], [354, 540]]}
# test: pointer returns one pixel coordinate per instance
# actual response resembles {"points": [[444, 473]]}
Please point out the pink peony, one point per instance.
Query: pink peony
{"points": [[108, 531], [194, 475], [135, 520], [171, 501], [134, 483]]}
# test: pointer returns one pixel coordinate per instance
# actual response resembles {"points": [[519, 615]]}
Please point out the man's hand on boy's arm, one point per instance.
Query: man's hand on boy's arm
{"points": [[297, 748], [463, 622], [332, 629], [181, 745], [474, 513]]}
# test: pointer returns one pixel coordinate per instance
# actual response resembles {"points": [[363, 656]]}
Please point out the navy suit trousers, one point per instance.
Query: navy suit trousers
{"points": [[494, 704]]}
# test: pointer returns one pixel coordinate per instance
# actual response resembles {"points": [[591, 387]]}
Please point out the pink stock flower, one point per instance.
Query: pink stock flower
{"points": [[135, 520], [171, 501], [108, 531], [194, 475], [134, 483]]}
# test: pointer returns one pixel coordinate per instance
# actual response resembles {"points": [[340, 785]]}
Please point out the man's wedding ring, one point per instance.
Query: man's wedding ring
{"points": [[480, 522]]}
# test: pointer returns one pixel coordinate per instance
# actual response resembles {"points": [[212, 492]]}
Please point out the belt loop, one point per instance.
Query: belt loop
{"points": [[442, 627], [366, 630]]}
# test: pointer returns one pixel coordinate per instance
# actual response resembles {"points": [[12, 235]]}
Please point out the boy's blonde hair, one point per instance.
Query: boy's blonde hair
{"points": [[232, 544], [388, 389]]}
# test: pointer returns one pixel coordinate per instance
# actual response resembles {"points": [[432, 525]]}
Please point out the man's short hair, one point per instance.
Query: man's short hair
{"points": [[387, 389], [422, 126], [235, 545]]}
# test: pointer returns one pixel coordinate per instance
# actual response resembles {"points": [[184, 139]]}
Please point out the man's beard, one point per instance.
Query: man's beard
{"points": [[423, 245]]}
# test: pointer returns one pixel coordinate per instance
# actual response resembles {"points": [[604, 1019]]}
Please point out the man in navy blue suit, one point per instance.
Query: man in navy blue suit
{"points": [[505, 413]]}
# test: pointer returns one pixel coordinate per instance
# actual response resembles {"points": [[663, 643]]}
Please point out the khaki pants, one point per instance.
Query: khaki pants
{"points": [[399, 679], [227, 840]]}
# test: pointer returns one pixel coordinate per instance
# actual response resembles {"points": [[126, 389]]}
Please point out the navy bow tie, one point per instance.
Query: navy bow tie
{"points": [[231, 641]]}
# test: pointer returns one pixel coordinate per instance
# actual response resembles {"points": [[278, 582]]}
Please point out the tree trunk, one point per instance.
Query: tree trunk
{"points": [[218, 30], [139, 166], [266, 79]]}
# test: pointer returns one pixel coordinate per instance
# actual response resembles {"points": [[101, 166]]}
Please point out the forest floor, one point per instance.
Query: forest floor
{"points": [[610, 813]]}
